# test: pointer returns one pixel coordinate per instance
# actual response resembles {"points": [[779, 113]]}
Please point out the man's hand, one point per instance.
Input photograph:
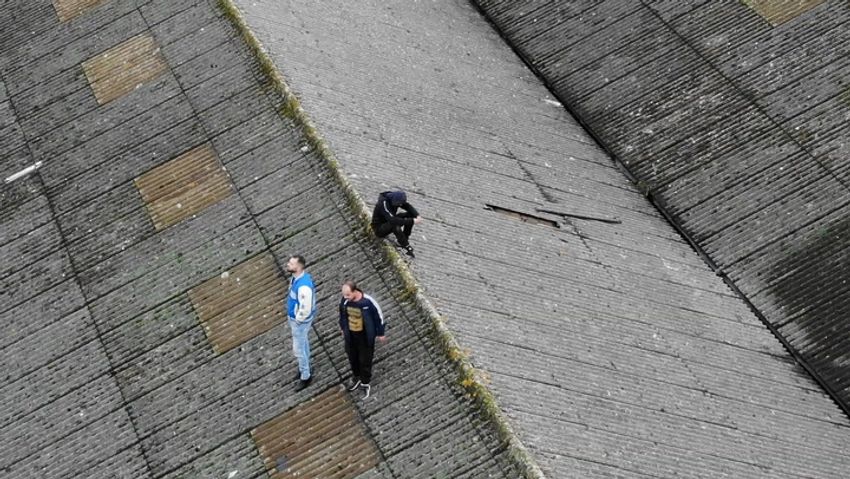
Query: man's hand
{"points": [[417, 220], [381, 339]]}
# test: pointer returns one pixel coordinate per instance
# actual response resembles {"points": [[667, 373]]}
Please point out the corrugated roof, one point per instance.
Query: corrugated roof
{"points": [[613, 349], [140, 265], [732, 115]]}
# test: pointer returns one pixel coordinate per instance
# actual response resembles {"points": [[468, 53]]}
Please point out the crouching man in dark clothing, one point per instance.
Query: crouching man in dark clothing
{"points": [[387, 219], [362, 322]]}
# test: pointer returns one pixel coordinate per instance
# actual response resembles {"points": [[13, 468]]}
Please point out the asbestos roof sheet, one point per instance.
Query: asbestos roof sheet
{"points": [[614, 349]]}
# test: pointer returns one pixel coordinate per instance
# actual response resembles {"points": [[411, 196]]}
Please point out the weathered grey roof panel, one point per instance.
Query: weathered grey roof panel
{"points": [[736, 124], [613, 349], [110, 371]]}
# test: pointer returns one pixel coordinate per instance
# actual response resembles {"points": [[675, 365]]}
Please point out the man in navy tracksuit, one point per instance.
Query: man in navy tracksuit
{"points": [[362, 322], [386, 219]]}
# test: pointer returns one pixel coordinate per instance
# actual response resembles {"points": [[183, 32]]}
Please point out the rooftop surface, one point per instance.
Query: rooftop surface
{"points": [[141, 278], [615, 350], [141, 300], [733, 116]]}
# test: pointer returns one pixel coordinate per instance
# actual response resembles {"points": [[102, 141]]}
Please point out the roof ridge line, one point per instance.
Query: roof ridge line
{"points": [[472, 380]]}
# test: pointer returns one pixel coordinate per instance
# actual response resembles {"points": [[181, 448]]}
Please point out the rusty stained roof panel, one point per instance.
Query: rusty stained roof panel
{"points": [[70, 9], [121, 69], [241, 303], [184, 186], [322, 437], [777, 12]]}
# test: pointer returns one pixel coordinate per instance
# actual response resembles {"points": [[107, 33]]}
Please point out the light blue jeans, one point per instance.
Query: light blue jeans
{"points": [[301, 345]]}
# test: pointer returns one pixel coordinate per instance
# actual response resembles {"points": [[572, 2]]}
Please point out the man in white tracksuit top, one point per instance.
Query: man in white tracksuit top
{"points": [[301, 309]]}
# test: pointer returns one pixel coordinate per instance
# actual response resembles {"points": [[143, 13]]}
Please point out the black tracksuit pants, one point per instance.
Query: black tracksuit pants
{"points": [[402, 233], [360, 355]]}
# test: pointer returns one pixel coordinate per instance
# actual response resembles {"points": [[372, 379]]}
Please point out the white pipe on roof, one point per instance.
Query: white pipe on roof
{"points": [[23, 172]]}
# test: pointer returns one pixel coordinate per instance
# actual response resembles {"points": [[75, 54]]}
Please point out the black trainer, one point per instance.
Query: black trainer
{"points": [[303, 383], [368, 390], [355, 384], [408, 250]]}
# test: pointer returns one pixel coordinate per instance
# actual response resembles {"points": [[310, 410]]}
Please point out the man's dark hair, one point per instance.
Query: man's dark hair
{"points": [[301, 260], [352, 286]]}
